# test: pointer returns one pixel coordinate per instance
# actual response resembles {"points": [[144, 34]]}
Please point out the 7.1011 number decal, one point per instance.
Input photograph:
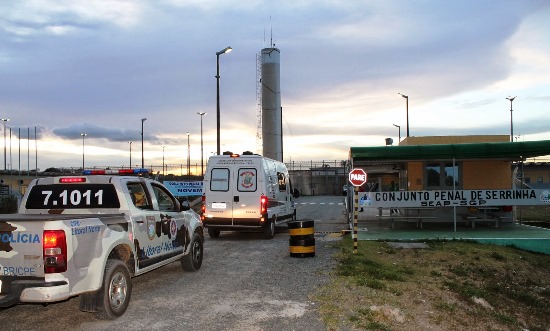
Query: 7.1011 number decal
{"points": [[70, 196], [75, 197]]}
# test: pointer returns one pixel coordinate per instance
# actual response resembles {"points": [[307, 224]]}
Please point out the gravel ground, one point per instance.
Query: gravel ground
{"points": [[245, 283]]}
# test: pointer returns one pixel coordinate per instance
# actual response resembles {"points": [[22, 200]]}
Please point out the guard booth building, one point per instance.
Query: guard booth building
{"points": [[440, 167]]}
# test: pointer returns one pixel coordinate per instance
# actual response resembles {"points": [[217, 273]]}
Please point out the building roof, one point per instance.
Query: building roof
{"points": [[513, 151]]}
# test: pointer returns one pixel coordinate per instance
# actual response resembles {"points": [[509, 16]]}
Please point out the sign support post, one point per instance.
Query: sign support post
{"points": [[355, 216], [357, 177]]}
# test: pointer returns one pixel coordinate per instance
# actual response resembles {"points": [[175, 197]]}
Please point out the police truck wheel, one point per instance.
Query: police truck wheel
{"points": [[213, 233], [269, 229], [114, 296], [193, 260]]}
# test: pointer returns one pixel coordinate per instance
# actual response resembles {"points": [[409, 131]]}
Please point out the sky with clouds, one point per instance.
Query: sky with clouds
{"points": [[97, 67]]}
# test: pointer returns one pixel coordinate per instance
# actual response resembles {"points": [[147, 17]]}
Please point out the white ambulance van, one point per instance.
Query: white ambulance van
{"points": [[246, 192]]}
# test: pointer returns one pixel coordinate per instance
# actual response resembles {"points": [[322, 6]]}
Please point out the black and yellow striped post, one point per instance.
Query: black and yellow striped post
{"points": [[355, 214], [302, 238]]}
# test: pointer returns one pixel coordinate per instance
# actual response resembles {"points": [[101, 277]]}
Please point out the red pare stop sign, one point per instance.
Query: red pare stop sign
{"points": [[357, 177]]}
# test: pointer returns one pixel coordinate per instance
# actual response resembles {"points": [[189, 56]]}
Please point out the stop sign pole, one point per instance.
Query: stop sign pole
{"points": [[357, 177]]}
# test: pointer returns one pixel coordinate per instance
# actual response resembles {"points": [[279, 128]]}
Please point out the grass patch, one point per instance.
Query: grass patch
{"points": [[466, 289], [359, 265], [462, 285], [445, 306], [364, 270], [533, 213], [497, 256]]}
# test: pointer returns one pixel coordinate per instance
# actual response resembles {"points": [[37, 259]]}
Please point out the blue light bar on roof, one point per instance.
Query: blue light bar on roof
{"points": [[136, 171]]}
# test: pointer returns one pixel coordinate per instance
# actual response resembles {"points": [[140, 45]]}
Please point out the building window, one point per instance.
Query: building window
{"points": [[527, 180], [433, 174], [442, 175], [539, 180]]}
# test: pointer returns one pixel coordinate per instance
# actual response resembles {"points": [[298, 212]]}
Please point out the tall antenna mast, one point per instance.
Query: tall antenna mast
{"points": [[271, 26], [259, 147]]}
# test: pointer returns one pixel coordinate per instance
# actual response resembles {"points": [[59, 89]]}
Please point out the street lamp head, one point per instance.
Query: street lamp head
{"points": [[5, 119], [143, 120], [83, 134], [201, 113], [404, 96], [511, 98], [397, 126], [188, 134], [225, 50]]}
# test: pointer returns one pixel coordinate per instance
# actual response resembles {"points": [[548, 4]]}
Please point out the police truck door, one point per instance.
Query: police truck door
{"points": [[148, 235]]}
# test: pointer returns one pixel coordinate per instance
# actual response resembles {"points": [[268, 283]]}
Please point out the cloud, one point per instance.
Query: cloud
{"points": [[93, 131], [35, 17]]}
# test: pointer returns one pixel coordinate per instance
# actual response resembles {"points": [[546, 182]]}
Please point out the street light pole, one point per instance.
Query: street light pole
{"points": [[163, 160], [5, 120], [202, 157], [130, 142], [142, 161], [83, 135], [407, 98], [223, 51], [511, 120], [399, 127], [188, 156]]}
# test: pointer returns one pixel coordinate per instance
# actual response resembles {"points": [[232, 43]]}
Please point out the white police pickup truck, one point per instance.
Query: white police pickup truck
{"points": [[88, 235]]}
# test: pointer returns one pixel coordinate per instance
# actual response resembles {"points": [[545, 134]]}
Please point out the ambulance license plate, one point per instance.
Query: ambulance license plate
{"points": [[219, 205]]}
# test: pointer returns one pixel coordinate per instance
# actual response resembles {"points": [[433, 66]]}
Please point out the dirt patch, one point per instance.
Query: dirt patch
{"points": [[408, 245]]}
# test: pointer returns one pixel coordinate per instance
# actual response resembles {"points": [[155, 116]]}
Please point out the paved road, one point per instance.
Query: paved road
{"points": [[245, 283], [328, 212]]}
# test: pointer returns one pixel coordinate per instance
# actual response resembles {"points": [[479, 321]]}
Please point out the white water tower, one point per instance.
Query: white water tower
{"points": [[272, 122]]}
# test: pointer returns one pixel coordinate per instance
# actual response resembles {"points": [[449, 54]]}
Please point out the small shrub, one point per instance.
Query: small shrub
{"points": [[9, 204], [497, 256]]}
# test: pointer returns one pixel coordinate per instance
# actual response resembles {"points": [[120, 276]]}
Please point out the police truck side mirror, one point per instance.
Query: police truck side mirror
{"points": [[184, 204]]}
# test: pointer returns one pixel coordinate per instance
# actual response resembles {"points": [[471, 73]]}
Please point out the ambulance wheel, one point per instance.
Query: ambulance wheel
{"points": [[114, 295], [269, 229], [193, 260], [213, 233]]}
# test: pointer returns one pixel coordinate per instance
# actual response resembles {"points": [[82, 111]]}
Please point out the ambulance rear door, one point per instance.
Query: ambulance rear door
{"points": [[247, 191], [219, 196]]}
